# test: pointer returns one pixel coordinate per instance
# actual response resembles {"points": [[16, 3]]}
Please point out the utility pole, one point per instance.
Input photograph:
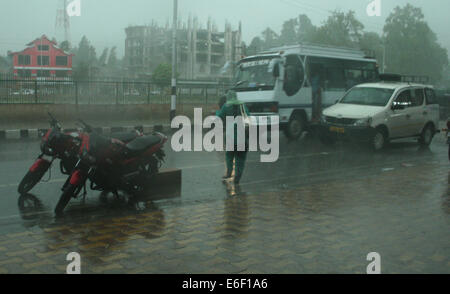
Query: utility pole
{"points": [[173, 105]]}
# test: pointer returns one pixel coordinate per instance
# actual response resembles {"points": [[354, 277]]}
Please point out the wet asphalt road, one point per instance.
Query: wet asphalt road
{"points": [[305, 164]]}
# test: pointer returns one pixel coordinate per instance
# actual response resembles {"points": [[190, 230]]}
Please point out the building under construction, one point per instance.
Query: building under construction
{"points": [[202, 53]]}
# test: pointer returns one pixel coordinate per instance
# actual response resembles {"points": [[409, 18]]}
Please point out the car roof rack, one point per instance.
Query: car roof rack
{"points": [[390, 77]]}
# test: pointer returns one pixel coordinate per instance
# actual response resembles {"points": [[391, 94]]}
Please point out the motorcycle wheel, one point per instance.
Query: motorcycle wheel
{"points": [[68, 193], [153, 166], [30, 180]]}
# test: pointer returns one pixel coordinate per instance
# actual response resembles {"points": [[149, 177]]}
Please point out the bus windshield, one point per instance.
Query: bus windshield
{"points": [[368, 96], [254, 75]]}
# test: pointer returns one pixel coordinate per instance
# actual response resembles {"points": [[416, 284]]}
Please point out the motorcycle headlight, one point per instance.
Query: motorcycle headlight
{"points": [[364, 122]]}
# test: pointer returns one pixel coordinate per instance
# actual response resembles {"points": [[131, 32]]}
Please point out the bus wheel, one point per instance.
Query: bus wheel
{"points": [[295, 127]]}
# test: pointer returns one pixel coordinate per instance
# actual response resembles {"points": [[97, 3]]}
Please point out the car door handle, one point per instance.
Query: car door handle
{"points": [[408, 116], [425, 113]]}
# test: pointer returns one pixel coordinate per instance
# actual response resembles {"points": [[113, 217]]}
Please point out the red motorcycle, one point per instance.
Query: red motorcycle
{"points": [[56, 144], [112, 165]]}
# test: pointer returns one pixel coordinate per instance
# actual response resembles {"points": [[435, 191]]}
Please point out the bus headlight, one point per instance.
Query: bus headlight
{"points": [[364, 122]]}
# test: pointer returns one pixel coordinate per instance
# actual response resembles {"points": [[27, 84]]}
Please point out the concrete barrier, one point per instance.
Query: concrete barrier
{"points": [[165, 185], [12, 134], [32, 113], [33, 133], [38, 133]]}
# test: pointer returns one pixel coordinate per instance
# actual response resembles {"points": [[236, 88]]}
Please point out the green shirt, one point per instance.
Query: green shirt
{"points": [[232, 110]]}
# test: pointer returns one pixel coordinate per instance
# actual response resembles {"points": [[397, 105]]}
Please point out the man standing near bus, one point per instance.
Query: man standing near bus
{"points": [[316, 94], [235, 160]]}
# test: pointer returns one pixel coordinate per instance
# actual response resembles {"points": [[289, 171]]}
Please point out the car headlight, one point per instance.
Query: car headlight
{"points": [[364, 122]]}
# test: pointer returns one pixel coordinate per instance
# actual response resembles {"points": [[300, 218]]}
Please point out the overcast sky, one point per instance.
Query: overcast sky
{"points": [[104, 21]]}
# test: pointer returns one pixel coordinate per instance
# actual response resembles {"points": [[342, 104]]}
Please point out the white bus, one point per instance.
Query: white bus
{"points": [[281, 82]]}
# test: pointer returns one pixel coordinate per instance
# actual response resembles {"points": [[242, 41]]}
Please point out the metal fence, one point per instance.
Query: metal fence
{"points": [[106, 92], [28, 91]]}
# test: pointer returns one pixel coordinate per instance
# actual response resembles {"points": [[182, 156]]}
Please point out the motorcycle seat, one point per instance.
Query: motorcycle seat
{"points": [[124, 136], [142, 143]]}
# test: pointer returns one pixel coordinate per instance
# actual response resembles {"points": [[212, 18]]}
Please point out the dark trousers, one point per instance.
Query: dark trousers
{"points": [[316, 104], [239, 157]]}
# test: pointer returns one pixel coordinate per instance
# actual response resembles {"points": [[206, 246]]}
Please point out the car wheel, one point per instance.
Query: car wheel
{"points": [[427, 135], [379, 139], [295, 127]]}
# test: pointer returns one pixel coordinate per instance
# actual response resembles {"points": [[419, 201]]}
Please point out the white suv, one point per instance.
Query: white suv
{"points": [[380, 112]]}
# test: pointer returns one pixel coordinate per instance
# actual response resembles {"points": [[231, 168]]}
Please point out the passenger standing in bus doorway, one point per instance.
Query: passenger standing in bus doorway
{"points": [[316, 88], [235, 160]]}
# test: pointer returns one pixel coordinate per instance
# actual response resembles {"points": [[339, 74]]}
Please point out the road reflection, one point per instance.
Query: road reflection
{"points": [[94, 238], [236, 213]]}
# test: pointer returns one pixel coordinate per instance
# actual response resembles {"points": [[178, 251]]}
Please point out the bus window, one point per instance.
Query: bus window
{"points": [[369, 76], [342, 74], [353, 77], [294, 75], [335, 78]]}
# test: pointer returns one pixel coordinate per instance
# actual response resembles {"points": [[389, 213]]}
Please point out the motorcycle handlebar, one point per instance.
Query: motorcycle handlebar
{"points": [[86, 127], [53, 121]]}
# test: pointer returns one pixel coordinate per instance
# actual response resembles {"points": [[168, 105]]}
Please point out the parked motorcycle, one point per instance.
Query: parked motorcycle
{"points": [[56, 144], [111, 165]]}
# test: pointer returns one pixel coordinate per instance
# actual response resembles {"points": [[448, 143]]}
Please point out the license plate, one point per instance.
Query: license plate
{"points": [[337, 130]]}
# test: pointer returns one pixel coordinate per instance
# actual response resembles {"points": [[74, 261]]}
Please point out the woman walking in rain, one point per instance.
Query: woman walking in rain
{"points": [[233, 108]]}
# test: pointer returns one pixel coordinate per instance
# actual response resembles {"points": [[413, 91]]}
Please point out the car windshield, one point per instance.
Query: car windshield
{"points": [[254, 74], [368, 96]]}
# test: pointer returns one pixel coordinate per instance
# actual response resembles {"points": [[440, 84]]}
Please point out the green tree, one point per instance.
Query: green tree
{"points": [[411, 46], [372, 42], [255, 46], [162, 75], [340, 29], [92, 58], [65, 45], [81, 60], [270, 38], [102, 59], [5, 66], [306, 30], [289, 32], [82, 51], [112, 59]]}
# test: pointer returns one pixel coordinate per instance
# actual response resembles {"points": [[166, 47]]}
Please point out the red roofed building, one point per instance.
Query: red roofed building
{"points": [[42, 60]]}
